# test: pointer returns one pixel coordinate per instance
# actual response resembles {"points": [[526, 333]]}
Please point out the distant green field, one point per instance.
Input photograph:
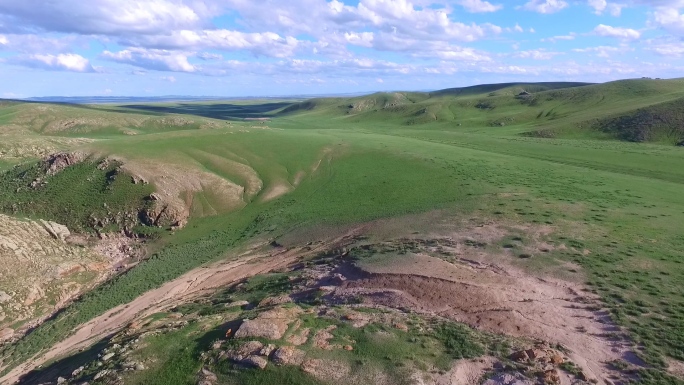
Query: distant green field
{"points": [[391, 155]]}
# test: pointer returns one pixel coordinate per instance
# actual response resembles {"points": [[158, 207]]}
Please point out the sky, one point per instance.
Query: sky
{"points": [[295, 47]]}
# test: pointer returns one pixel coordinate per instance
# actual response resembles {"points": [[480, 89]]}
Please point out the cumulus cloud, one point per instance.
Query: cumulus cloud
{"points": [[601, 6], [61, 62], [107, 17], [670, 19], [536, 54], [618, 32], [604, 51], [153, 59], [260, 44], [545, 6], [673, 48], [480, 6]]}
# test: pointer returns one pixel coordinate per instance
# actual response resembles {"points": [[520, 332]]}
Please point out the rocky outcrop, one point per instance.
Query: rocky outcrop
{"points": [[59, 161], [288, 355], [6, 334], [164, 214], [271, 324], [56, 230]]}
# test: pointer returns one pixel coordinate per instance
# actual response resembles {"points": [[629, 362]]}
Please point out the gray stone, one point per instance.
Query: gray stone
{"points": [[255, 361]]}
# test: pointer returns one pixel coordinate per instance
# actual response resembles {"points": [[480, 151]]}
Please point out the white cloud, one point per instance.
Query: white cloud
{"points": [[668, 47], [170, 79], [477, 6], [260, 44], [553, 39], [61, 62], [209, 56], [670, 19], [604, 51], [537, 54], [107, 17], [545, 6], [601, 6], [3, 40], [618, 32], [153, 59]]}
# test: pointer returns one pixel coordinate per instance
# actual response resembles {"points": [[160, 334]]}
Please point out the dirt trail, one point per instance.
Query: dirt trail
{"points": [[201, 281], [499, 299]]}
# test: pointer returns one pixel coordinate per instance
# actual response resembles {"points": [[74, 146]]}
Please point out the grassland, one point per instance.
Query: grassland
{"points": [[553, 158]]}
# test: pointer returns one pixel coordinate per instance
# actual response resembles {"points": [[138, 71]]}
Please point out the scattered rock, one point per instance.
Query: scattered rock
{"points": [[61, 380], [255, 361], [237, 304], [520, 356], [56, 230], [551, 377], [279, 300], [300, 337], [206, 377], [267, 350], [401, 326], [509, 379], [6, 334], [108, 356], [139, 180], [101, 374], [78, 371], [58, 162], [288, 355], [322, 337], [271, 324], [326, 370]]}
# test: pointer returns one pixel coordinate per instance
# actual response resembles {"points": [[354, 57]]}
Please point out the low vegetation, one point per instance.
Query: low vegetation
{"points": [[596, 164]]}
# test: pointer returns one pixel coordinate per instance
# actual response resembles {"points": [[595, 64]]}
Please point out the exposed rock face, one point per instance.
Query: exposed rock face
{"points": [[59, 161], [271, 324], [288, 355], [56, 230], [256, 362], [6, 334], [163, 214]]}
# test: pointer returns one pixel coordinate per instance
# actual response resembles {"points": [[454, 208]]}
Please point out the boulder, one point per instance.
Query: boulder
{"points": [[206, 377], [59, 161], [279, 300], [270, 324], [56, 230], [6, 334], [519, 356], [267, 350], [255, 362], [288, 355]]}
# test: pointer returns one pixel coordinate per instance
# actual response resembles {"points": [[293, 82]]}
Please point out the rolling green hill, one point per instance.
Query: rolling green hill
{"points": [[556, 164]]}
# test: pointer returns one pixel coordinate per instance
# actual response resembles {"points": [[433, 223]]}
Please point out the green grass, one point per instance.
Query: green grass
{"points": [[77, 197], [620, 201]]}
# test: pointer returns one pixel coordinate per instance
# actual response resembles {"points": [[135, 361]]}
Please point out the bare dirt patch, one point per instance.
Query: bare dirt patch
{"points": [[498, 299]]}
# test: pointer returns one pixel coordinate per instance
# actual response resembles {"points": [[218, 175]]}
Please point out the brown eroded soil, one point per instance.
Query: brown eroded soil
{"points": [[496, 298]]}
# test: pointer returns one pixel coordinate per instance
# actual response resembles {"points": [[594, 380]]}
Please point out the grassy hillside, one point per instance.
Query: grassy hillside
{"points": [[336, 162]]}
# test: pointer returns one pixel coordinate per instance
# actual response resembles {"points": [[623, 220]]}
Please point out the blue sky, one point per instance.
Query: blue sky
{"points": [[285, 47]]}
